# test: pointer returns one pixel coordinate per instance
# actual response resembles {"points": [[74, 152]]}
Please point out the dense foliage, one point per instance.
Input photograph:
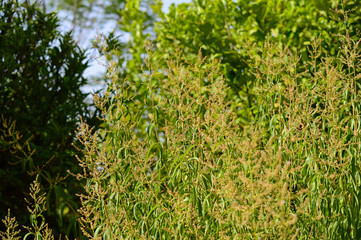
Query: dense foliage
{"points": [[241, 120], [292, 173], [222, 28], [40, 105]]}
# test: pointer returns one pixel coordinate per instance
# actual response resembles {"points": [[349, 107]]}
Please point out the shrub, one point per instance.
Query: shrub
{"points": [[172, 161], [193, 173], [40, 104]]}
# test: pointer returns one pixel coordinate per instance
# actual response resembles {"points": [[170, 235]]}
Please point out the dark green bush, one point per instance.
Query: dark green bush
{"points": [[40, 104]]}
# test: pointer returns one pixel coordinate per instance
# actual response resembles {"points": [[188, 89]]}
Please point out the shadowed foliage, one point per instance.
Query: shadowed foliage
{"points": [[40, 104]]}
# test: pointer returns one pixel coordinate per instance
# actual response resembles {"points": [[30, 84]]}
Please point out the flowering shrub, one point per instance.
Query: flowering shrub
{"points": [[172, 162], [193, 173]]}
